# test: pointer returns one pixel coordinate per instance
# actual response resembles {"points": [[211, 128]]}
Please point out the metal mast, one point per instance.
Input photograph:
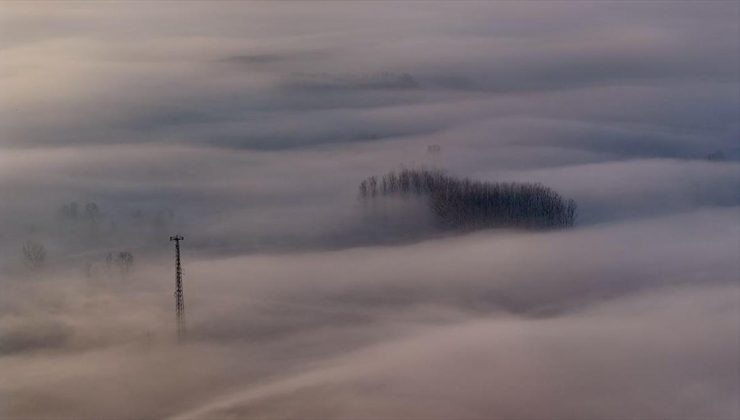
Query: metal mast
{"points": [[179, 298]]}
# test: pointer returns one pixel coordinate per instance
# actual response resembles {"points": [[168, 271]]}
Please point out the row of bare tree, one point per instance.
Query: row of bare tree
{"points": [[34, 257], [73, 211], [466, 204]]}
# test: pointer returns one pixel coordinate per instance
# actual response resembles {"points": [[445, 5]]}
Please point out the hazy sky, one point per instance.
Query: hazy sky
{"points": [[246, 127]]}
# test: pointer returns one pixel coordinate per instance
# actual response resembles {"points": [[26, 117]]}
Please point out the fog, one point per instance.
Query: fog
{"points": [[247, 127]]}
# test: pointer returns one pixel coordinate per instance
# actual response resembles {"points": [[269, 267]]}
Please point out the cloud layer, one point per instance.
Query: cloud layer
{"points": [[247, 127]]}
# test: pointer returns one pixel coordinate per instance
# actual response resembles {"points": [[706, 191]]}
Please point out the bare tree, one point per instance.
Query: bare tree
{"points": [[92, 212], [68, 212], [34, 254], [363, 189], [125, 261], [87, 270]]}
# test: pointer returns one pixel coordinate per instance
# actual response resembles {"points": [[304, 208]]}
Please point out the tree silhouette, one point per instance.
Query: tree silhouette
{"points": [[34, 254], [466, 204], [125, 261], [92, 212]]}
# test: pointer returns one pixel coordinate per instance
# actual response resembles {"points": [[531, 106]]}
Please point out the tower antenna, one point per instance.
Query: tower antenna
{"points": [[179, 297]]}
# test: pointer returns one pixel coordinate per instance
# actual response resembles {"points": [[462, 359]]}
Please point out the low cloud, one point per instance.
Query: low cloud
{"points": [[595, 323], [247, 128]]}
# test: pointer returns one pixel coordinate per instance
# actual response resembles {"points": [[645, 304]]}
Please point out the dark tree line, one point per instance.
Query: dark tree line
{"points": [[467, 204], [73, 212]]}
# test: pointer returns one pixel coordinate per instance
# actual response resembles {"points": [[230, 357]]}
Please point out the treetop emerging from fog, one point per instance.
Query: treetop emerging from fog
{"points": [[469, 205]]}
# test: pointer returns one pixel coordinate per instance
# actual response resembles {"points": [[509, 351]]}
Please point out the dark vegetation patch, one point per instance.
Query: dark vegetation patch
{"points": [[464, 204]]}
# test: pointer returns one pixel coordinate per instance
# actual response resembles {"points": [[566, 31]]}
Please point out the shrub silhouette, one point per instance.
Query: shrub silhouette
{"points": [[34, 254], [466, 204]]}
